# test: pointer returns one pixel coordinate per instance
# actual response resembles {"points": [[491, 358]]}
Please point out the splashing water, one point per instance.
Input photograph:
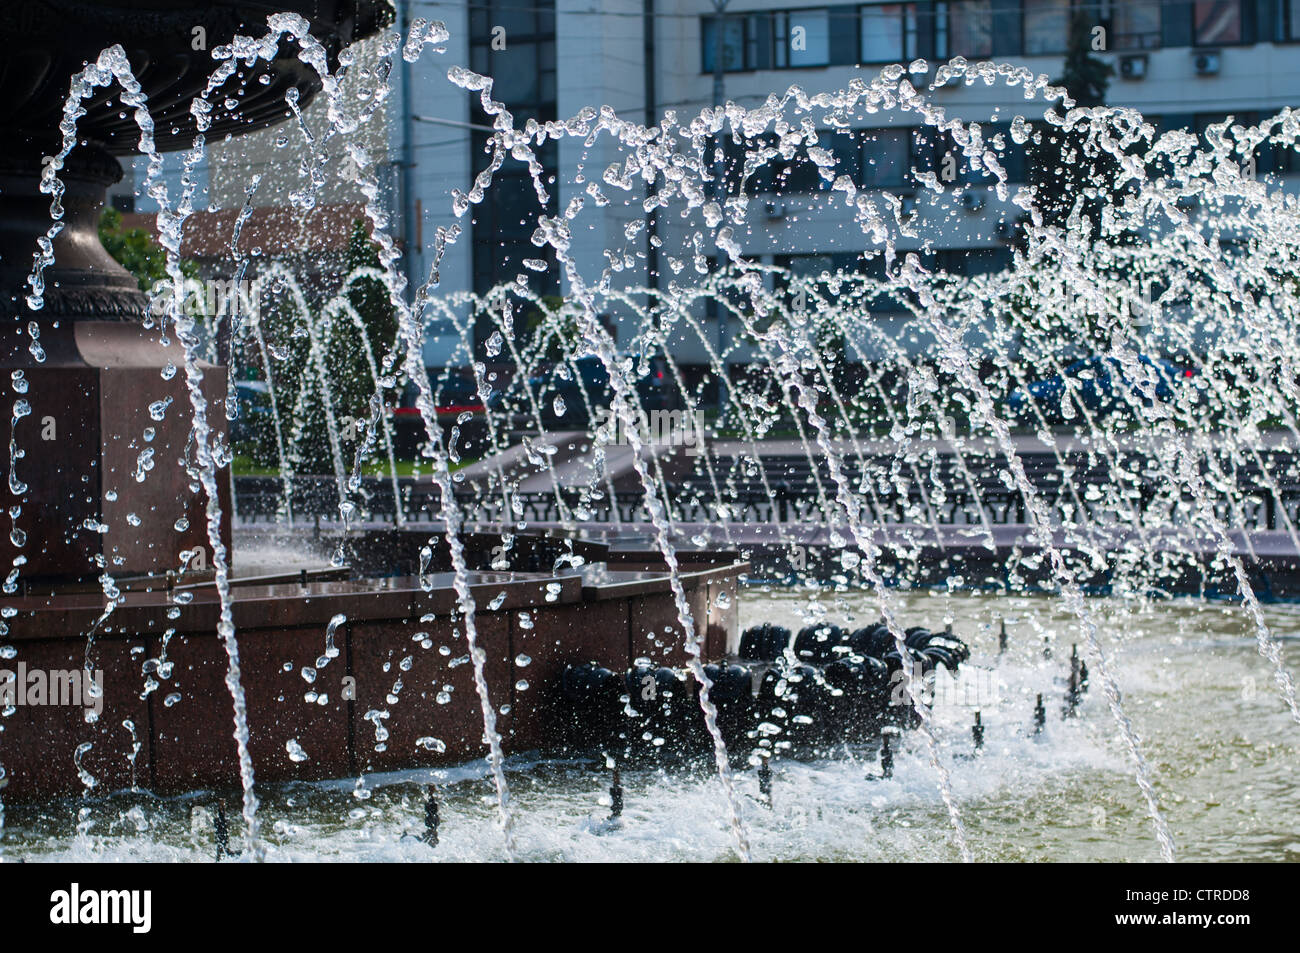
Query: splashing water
{"points": [[1190, 258]]}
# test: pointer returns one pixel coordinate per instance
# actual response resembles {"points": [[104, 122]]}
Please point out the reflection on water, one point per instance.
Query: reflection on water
{"points": [[1214, 729]]}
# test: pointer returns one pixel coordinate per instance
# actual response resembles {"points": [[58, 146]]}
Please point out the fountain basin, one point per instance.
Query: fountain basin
{"points": [[612, 613]]}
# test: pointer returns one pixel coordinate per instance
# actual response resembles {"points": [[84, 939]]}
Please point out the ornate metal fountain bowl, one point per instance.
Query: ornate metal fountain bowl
{"points": [[96, 356], [169, 45]]}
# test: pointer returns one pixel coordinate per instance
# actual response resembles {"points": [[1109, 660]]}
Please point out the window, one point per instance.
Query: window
{"points": [[1046, 26], [799, 174], [969, 262], [986, 261], [739, 43], [1132, 24], [524, 77], [874, 269], [801, 38], [886, 158], [963, 28], [820, 269], [1270, 158], [1288, 20], [935, 150], [1216, 22], [1012, 156], [888, 33], [515, 73]]}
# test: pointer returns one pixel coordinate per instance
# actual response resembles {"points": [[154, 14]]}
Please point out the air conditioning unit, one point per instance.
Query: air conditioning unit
{"points": [[972, 201], [1133, 67], [774, 210], [1206, 62]]}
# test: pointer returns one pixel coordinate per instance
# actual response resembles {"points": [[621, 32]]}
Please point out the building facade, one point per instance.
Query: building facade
{"points": [[1183, 63]]}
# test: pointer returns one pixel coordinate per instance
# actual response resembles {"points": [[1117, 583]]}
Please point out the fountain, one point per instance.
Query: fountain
{"points": [[130, 575], [576, 590]]}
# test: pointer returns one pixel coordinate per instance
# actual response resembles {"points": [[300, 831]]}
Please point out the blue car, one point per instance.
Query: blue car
{"points": [[1100, 386]]}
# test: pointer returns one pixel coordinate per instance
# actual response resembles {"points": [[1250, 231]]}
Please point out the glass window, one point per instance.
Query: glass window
{"points": [[798, 174], [888, 33], [801, 38], [1277, 158], [1288, 14], [514, 73], [1047, 26], [1133, 24], [986, 261], [925, 149], [811, 266], [874, 269], [1011, 155], [1216, 21], [963, 28], [886, 159], [738, 43]]}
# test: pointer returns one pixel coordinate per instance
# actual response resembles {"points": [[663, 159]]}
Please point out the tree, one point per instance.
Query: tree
{"points": [[347, 346], [136, 251], [1067, 166], [1069, 171]]}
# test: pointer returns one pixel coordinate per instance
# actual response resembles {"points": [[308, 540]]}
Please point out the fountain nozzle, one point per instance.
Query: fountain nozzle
{"points": [[1073, 690], [219, 826], [616, 796], [431, 819], [886, 757]]}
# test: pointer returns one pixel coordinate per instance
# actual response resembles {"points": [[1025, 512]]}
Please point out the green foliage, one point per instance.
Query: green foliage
{"points": [[347, 368], [568, 324], [136, 251], [1064, 166], [1069, 174]]}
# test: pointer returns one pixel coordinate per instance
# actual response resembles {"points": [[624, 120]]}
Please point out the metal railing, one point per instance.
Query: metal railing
{"points": [[261, 500]]}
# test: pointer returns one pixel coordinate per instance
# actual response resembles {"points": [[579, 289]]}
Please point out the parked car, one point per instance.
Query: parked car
{"points": [[1101, 386], [455, 393]]}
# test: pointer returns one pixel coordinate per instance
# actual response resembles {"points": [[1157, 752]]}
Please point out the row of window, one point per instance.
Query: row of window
{"points": [[953, 261], [881, 32], [891, 158]]}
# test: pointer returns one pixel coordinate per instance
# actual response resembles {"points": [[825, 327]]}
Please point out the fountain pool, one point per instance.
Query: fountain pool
{"points": [[1225, 758]]}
